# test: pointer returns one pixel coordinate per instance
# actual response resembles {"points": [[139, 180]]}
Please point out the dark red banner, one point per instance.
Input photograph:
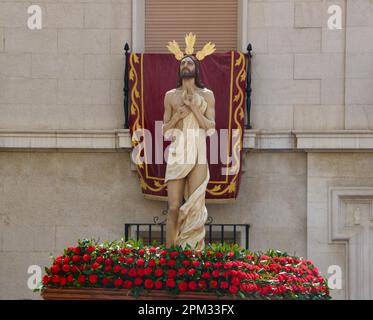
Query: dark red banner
{"points": [[150, 77]]}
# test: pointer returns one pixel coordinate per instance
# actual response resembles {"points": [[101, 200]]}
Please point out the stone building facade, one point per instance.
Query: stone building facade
{"points": [[65, 170]]}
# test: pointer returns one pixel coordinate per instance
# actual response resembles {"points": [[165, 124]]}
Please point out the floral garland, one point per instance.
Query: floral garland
{"points": [[224, 269]]}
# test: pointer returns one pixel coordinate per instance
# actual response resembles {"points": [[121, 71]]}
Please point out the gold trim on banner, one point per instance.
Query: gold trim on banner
{"points": [[135, 110]]}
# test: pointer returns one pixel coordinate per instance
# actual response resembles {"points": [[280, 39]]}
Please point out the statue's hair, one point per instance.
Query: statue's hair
{"points": [[197, 78]]}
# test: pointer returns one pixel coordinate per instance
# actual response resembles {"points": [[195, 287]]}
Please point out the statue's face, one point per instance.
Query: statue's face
{"points": [[187, 68]]}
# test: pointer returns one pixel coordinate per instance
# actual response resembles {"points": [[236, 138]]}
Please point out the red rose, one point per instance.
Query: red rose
{"points": [[206, 275], [207, 264], [93, 278], [118, 282], [171, 263], [213, 284], [127, 284], [129, 260], [170, 283], [107, 268], [158, 284], [62, 281], [121, 259], [105, 281], [66, 268], [164, 252], [102, 250], [233, 289], [152, 250], [95, 265], [224, 284], [147, 271], [117, 268], [192, 285], [140, 262], [148, 284], [218, 254], [87, 257], [66, 260], [58, 260], [77, 250], [108, 261], [187, 253], [123, 271], [171, 273], [162, 261], [183, 286], [70, 278], [140, 272], [81, 279], [141, 252], [151, 263], [46, 279], [209, 253], [138, 281], [76, 259], [158, 272]]}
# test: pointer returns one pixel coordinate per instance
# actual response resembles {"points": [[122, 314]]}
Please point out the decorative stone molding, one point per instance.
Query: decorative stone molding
{"points": [[351, 223], [119, 139]]}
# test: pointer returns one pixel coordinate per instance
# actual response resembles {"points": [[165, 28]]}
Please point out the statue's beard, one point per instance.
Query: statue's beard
{"points": [[186, 74]]}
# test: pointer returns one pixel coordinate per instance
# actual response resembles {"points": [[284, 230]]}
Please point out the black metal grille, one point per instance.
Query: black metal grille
{"points": [[215, 232]]}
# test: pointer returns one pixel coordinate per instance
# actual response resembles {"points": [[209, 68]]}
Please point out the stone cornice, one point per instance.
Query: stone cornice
{"points": [[119, 139]]}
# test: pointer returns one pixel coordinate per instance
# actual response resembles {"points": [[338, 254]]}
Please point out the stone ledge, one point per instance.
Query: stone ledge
{"points": [[119, 140]]}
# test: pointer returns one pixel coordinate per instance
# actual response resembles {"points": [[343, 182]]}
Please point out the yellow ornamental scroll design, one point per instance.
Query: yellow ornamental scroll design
{"points": [[135, 111], [239, 112]]}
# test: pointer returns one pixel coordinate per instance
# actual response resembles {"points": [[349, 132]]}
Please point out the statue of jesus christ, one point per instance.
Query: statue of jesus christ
{"points": [[190, 106]]}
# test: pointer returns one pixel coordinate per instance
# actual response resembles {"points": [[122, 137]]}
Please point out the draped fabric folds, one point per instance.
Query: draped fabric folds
{"points": [[151, 75]]}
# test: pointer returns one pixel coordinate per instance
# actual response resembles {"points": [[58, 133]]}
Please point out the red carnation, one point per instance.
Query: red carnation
{"points": [[105, 281], [215, 273], [140, 262], [100, 260], [140, 272], [74, 269], [81, 279], [138, 281], [158, 272], [46, 279], [191, 272], [158, 284], [77, 250], [218, 254], [129, 260], [127, 284], [186, 263], [195, 263], [230, 254], [148, 284], [118, 282], [102, 250], [117, 268], [224, 284], [152, 250], [55, 279], [62, 281], [163, 252], [108, 261], [132, 272], [87, 257], [90, 249], [70, 278], [107, 268], [76, 259], [213, 283], [183, 286], [171, 263], [95, 265], [147, 271], [151, 263], [235, 281], [233, 289], [66, 268], [192, 285], [202, 284], [171, 273], [123, 271], [170, 283], [141, 252], [55, 269], [162, 261], [93, 278], [66, 260], [181, 271], [174, 254], [206, 275]]}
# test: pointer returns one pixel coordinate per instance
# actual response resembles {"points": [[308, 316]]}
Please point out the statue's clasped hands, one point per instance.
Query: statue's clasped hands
{"points": [[191, 98]]}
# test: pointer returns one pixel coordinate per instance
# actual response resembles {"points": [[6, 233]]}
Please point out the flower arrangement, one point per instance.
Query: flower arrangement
{"points": [[222, 269]]}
